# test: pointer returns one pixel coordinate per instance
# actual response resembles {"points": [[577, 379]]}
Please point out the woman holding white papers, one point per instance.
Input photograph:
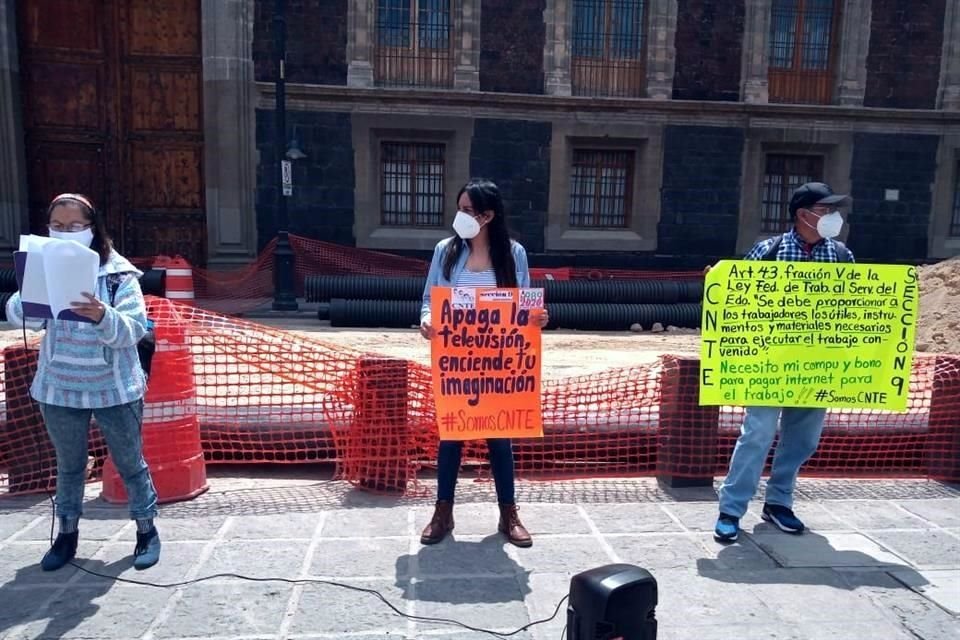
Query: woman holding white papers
{"points": [[89, 366], [480, 255]]}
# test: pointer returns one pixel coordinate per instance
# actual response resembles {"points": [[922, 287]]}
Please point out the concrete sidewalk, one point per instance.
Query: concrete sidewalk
{"points": [[882, 560]]}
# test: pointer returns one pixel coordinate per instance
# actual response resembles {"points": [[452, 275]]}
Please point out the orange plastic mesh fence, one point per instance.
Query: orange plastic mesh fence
{"points": [[250, 287], [265, 395]]}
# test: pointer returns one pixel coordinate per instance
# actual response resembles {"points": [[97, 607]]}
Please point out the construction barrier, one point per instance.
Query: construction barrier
{"points": [[171, 427], [179, 280], [266, 395], [237, 291]]}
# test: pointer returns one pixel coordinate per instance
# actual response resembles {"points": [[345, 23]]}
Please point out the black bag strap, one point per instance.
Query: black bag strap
{"points": [[843, 253], [771, 254]]}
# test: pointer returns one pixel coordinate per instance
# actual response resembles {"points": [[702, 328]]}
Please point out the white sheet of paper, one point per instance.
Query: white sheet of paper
{"points": [[34, 287], [35, 243], [70, 269]]}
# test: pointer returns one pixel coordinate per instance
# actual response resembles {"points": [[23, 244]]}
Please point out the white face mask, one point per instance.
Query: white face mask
{"points": [[466, 225], [830, 225], [84, 237]]}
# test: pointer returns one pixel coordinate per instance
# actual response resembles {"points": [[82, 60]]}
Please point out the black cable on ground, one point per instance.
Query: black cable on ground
{"points": [[331, 583]]}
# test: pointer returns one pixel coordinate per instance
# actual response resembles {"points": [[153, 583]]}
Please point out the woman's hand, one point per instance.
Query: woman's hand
{"points": [[426, 329], [92, 308], [540, 318]]}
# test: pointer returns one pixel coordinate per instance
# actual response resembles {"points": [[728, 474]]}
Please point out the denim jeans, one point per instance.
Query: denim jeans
{"points": [[800, 431], [121, 426], [501, 465]]}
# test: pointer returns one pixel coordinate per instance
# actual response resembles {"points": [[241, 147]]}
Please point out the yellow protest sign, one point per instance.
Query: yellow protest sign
{"points": [[808, 334], [486, 363]]}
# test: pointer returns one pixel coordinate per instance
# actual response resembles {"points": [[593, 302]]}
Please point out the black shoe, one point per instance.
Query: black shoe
{"points": [[147, 552], [783, 518], [63, 550]]}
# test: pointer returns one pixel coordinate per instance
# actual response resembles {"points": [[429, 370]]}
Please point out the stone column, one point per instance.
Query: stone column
{"points": [[557, 20], [13, 181], [950, 61], [466, 45], [756, 51], [229, 130], [661, 48], [851, 63], [361, 32]]}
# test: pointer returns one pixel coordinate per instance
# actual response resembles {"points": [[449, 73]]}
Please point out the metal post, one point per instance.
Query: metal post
{"points": [[284, 297]]}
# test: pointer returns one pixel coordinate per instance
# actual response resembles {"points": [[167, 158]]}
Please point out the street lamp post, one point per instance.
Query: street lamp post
{"points": [[284, 296]]}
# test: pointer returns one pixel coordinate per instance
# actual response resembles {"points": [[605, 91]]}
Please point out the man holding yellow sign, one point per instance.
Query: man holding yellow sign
{"points": [[802, 331]]}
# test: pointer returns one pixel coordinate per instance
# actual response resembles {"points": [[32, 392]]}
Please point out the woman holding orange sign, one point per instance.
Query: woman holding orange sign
{"points": [[482, 254]]}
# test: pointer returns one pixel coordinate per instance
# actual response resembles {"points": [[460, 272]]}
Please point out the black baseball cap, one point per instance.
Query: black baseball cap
{"points": [[811, 193]]}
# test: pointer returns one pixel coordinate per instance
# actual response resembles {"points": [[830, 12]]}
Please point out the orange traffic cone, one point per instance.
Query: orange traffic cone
{"points": [[180, 281], [171, 427]]}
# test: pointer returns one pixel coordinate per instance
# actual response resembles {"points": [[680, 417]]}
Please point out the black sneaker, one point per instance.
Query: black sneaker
{"points": [[782, 518], [63, 550], [147, 552]]}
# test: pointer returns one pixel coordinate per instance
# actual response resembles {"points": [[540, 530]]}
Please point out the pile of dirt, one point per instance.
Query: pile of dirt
{"points": [[938, 328]]}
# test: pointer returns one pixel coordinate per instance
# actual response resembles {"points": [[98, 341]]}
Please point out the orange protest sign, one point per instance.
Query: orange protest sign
{"points": [[486, 363]]}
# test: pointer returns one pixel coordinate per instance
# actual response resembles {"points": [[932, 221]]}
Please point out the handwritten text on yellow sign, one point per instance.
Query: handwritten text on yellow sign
{"points": [[807, 334]]}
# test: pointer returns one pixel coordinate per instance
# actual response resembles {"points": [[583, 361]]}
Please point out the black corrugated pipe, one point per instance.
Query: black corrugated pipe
{"points": [[154, 283], [325, 288], [605, 317], [4, 298], [391, 314], [323, 311], [8, 280], [620, 317], [321, 288]]}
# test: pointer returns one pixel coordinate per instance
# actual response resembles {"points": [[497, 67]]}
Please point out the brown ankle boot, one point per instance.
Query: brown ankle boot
{"points": [[511, 526], [440, 524]]}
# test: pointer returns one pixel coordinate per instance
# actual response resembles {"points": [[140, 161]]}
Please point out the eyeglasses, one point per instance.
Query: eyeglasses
{"points": [[76, 227]]}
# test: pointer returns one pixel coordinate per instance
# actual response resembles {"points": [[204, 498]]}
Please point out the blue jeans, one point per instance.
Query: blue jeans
{"points": [[501, 465], [121, 426], [800, 431]]}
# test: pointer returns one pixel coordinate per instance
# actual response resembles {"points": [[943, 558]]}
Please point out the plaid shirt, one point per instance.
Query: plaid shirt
{"points": [[793, 248]]}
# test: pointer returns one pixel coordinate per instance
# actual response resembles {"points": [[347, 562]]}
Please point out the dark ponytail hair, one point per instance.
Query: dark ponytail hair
{"points": [[485, 196], [102, 243]]}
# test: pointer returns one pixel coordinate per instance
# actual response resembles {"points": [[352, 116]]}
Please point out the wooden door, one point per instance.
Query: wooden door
{"points": [[68, 112], [162, 115], [112, 97]]}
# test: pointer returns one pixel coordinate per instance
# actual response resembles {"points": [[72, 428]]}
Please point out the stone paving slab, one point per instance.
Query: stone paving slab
{"points": [[881, 560]]}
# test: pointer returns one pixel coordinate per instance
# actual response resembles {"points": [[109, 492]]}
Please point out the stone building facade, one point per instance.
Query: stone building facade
{"points": [[627, 133]]}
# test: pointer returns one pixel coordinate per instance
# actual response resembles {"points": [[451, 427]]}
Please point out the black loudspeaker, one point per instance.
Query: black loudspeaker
{"points": [[614, 602]]}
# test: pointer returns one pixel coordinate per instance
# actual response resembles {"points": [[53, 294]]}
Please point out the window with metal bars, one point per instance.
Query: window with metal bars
{"points": [[411, 184], [601, 188], [783, 174], [609, 46], [955, 218], [803, 35], [413, 45]]}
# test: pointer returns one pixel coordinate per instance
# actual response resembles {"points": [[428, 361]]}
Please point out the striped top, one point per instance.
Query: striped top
{"points": [[485, 278], [92, 366], [436, 277]]}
